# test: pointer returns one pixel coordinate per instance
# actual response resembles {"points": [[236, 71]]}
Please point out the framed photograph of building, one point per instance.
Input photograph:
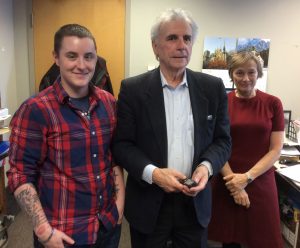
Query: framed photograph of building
{"points": [[218, 51]]}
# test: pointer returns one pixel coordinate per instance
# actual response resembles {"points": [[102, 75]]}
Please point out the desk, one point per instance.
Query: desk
{"points": [[289, 202]]}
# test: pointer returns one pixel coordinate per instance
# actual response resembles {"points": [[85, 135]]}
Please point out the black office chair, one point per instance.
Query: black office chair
{"points": [[100, 78]]}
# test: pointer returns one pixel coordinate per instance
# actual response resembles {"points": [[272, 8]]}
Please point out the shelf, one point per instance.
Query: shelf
{"points": [[3, 118], [4, 130]]}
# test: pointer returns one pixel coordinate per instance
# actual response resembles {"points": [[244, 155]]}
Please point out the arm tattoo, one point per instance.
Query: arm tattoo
{"points": [[28, 201], [116, 185]]}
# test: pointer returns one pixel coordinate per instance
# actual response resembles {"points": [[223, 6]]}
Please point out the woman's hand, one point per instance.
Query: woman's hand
{"points": [[236, 182], [241, 198]]}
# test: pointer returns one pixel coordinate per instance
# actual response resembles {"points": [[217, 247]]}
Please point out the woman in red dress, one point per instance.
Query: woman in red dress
{"points": [[245, 204]]}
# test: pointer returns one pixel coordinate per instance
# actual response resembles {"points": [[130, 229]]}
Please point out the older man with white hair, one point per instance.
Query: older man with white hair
{"points": [[172, 135]]}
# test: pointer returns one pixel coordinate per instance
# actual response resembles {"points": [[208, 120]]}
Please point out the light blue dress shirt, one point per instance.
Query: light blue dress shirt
{"points": [[180, 130]]}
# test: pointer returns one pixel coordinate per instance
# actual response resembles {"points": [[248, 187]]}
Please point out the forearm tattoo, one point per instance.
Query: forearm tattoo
{"points": [[116, 185], [30, 203]]}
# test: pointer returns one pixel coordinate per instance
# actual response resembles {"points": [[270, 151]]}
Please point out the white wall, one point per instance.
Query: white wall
{"points": [[14, 48], [7, 60], [273, 19], [7, 56], [14, 59], [23, 49]]}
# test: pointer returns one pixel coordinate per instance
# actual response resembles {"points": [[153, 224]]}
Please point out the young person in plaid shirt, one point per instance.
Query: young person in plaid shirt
{"points": [[61, 165]]}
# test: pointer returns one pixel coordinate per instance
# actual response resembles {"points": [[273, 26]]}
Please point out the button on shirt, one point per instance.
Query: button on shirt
{"points": [[67, 157]]}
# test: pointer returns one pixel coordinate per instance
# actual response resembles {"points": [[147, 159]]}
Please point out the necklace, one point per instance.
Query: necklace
{"points": [[86, 114], [82, 105]]}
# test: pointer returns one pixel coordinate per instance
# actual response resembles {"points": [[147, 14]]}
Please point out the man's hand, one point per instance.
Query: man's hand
{"points": [[200, 176], [241, 198], [29, 201], [57, 239], [235, 182], [168, 179]]}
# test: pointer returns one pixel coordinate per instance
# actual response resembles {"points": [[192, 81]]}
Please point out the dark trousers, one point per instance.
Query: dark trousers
{"points": [[177, 224], [105, 239]]}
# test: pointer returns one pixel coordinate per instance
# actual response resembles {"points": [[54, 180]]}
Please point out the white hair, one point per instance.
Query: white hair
{"points": [[171, 15]]}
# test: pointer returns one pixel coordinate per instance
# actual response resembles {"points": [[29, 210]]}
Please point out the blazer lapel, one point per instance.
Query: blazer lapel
{"points": [[156, 110], [199, 108]]}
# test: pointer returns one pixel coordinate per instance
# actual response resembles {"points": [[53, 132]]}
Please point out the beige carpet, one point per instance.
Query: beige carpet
{"points": [[20, 233]]}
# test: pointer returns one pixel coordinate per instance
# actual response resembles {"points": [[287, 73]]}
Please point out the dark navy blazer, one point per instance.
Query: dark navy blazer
{"points": [[141, 139]]}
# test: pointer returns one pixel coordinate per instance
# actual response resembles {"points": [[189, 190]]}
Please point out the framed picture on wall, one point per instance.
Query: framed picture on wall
{"points": [[218, 52], [287, 120]]}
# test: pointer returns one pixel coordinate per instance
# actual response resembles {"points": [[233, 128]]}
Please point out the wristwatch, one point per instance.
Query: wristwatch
{"points": [[249, 178]]}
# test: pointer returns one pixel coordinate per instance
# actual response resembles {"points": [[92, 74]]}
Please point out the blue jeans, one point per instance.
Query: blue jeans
{"points": [[106, 239]]}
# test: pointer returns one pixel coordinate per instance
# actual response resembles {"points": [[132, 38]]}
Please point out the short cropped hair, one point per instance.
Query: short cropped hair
{"points": [[171, 15], [240, 58], [71, 30]]}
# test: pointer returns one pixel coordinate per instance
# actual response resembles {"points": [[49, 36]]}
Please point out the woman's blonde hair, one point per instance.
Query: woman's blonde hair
{"points": [[241, 58]]}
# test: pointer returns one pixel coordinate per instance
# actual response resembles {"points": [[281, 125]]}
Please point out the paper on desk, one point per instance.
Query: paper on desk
{"points": [[2, 118], [292, 172], [290, 151], [290, 142]]}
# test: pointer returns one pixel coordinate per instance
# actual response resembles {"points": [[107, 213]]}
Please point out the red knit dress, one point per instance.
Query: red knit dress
{"points": [[252, 121]]}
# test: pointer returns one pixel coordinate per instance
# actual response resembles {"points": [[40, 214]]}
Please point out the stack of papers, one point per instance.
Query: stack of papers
{"points": [[4, 117], [290, 151], [289, 142], [4, 114], [291, 172]]}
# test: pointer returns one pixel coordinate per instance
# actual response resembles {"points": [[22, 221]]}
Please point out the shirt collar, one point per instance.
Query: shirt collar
{"points": [[63, 95], [164, 82]]}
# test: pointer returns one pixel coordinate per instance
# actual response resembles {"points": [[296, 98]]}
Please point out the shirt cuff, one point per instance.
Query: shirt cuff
{"points": [[147, 173], [208, 165]]}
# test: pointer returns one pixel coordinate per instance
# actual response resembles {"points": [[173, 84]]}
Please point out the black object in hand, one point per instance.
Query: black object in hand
{"points": [[188, 182]]}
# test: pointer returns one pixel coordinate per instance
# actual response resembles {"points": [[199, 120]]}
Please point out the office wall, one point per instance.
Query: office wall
{"points": [[23, 49], [7, 56], [14, 57], [8, 87], [274, 19]]}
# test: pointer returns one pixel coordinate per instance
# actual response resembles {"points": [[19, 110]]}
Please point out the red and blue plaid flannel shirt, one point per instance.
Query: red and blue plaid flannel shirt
{"points": [[68, 159]]}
